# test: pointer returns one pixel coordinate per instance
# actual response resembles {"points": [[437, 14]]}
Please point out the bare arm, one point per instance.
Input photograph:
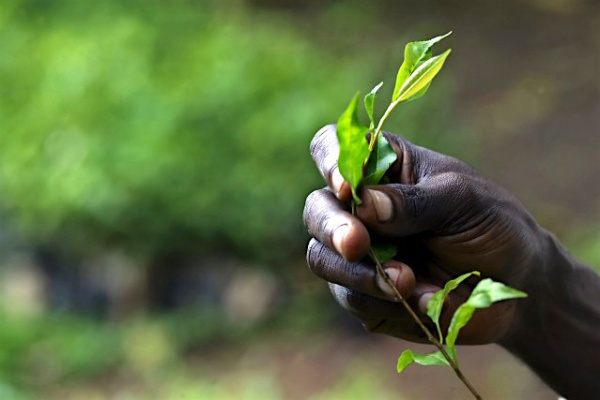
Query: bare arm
{"points": [[557, 331]]}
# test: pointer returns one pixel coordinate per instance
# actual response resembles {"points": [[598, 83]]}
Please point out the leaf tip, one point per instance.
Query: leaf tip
{"points": [[405, 359]]}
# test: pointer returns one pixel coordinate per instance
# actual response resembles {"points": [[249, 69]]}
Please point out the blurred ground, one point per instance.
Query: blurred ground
{"points": [[154, 163], [325, 364]]}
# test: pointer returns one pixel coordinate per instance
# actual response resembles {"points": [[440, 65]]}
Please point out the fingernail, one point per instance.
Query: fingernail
{"points": [[423, 300], [338, 237], [382, 204], [337, 180], [393, 274]]}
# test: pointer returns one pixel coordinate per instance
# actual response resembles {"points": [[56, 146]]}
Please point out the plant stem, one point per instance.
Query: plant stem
{"points": [[381, 272], [377, 132]]}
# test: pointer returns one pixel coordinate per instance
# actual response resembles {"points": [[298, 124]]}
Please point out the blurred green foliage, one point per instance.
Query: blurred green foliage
{"points": [[50, 350], [128, 126], [156, 126]]}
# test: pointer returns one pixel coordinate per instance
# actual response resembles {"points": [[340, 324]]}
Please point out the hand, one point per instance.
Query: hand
{"points": [[446, 220]]}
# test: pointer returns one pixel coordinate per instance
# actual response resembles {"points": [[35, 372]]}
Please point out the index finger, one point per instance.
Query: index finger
{"points": [[324, 149]]}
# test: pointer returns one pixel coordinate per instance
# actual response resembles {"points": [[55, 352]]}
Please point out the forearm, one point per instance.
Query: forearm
{"points": [[558, 331]]}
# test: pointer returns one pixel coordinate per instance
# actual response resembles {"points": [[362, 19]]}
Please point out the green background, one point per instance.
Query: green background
{"points": [[154, 165]]}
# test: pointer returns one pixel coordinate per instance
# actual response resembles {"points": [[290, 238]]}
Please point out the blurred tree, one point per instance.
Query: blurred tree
{"points": [[156, 132]]}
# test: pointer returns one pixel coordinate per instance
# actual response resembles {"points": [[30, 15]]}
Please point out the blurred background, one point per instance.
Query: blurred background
{"points": [[154, 165]]}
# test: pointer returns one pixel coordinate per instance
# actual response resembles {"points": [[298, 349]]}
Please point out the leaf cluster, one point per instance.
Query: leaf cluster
{"points": [[364, 158], [365, 162], [486, 293]]}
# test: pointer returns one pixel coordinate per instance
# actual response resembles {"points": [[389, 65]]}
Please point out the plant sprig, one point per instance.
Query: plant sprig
{"points": [[413, 80], [365, 163], [486, 293]]}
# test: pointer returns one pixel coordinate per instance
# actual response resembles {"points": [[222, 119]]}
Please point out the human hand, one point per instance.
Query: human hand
{"points": [[446, 220]]}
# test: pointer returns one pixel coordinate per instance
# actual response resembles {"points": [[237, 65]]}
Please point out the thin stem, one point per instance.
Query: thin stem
{"points": [[385, 116], [381, 272]]}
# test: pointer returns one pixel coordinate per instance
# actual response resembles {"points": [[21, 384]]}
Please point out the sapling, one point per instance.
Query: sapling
{"points": [[365, 161]]}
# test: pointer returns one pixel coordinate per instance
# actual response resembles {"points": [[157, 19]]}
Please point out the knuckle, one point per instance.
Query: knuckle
{"points": [[320, 215], [411, 201], [455, 180], [320, 138], [312, 207], [315, 256], [358, 305], [343, 296], [460, 186], [356, 302]]}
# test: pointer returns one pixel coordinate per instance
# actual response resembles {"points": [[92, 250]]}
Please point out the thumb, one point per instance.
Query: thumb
{"points": [[397, 210]]}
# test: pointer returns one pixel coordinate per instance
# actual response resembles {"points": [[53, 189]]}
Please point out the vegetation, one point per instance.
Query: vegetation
{"points": [[361, 163], [150, 129], [131, 129]]}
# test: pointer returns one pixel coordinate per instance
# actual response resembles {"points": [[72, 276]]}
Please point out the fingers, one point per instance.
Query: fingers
{"points": [[380, 316], [397, 210], [324, 149], [362, 306], [359, 276], [413, 163], [328, 222]]}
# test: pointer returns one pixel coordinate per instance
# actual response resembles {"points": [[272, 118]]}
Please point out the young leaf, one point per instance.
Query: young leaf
{"points": [[484, 295], [421, 77], [435, 305], [370, 104], [354, 149], [461, 317], [496, 291], [415, 54], [382, 157], [408, 357], [383, 251]]}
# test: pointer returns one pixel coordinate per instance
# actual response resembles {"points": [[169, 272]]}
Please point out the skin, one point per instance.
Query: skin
{"points": [[446, 219]]}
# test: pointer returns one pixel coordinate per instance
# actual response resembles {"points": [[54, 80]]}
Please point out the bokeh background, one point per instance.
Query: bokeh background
{"points": [[154, 165]]}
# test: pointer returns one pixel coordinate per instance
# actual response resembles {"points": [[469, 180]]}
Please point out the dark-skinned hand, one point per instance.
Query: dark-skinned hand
{"points": [[446, 220]]}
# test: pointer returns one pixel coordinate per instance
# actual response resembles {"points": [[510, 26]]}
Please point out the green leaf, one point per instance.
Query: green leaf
{"points": [[354, 149], [370, 104], [419, 93], [461, 316], [408, 357], [486, 293], [496, 291], [415, 54], [421, 77], [383, 251], [382, 157], [435, 305]]}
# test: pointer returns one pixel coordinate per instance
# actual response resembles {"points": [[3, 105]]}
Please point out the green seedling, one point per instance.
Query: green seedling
{"points": [[365, 162]]}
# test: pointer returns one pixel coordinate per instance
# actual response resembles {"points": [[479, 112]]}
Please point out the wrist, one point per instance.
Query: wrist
{"points": [[555, 330], [543, 280]]}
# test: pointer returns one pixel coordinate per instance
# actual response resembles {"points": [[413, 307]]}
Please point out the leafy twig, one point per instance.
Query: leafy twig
{"points": [[381, 272], [362, 163]]}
